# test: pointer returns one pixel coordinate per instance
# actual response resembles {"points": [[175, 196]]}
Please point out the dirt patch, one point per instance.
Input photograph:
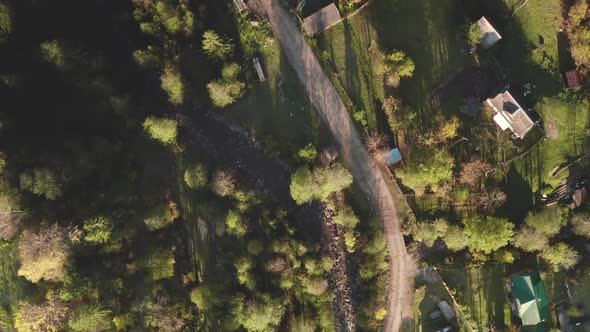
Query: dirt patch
{"points": [[551, 130]]}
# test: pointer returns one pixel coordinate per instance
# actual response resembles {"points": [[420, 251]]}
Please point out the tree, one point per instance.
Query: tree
{"points": [[455, 238], [319, 184], [90, 318], [98, 229], [49, 316], [308, 153], [428, 232], [427, 168], [561, 256], [224, 183], [162, 315], [375, 142], [350, 240], [5, 20], [504, 256], [303, 324], [473, 172], [488, 233], [346, 217], [581, 224], [579, 33], [148, 58], [195, 176], [216, 46], [11, 214], [530, 240], [244, 266], [263, 314], [394, 67], [159, 217], [53, 52], [490, 199], [160, 264], [235, 224], [161, 129], [547, 221], [44, 254], [173, 84], [224, 93], [315, 285], [41, 181]]}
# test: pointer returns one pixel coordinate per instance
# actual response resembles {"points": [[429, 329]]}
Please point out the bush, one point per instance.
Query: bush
{"points": [[195, 176], [161, 129]]}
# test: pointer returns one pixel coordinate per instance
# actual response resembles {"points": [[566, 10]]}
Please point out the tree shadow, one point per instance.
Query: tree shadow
{"points": [[520, 196]]}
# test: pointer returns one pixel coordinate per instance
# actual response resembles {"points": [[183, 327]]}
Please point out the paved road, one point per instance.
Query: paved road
{"points": [[329, 105]]}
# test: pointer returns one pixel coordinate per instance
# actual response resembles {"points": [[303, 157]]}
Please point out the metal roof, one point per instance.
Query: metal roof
{"points": [[393, 156], [490, 35], [512, 113], [531, 298], [322, 19]]}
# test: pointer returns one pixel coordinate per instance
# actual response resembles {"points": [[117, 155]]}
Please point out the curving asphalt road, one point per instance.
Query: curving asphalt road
{"points": [[329, 105]]}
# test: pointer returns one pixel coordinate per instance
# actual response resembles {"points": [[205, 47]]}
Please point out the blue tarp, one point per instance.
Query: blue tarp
{"points": [[393, 156]]}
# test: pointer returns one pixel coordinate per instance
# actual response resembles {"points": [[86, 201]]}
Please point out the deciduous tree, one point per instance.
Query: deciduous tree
{"points": [[548, 220], [216, 46], [428, 232], [581, 223], [5, 20], [561, 256], [473, 172], [488, 233], [161, 129], [173, 84], [455, 238], [44, 254], [530, 240], [319, 184], [41, 181], [195, 176], [394, 67], [49, 316], [158, 217], [224, 183]]}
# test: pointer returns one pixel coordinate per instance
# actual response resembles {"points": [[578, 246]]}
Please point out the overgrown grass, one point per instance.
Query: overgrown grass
{"points": [[277, 111]]}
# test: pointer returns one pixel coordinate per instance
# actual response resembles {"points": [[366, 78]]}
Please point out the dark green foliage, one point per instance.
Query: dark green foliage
{"points": [[41, 181], [90, 318]]}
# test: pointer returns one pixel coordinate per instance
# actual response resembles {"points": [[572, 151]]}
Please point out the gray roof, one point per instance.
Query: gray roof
{"points": [[322, 19], [489, 34], [519, 121]]}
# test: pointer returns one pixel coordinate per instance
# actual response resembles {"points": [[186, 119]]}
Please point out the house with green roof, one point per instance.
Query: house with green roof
{"points": [[530, 299]]}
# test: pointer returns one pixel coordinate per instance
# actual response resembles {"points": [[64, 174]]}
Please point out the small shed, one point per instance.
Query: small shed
{"points": [[240, 4], [322, 19], [490, 35], [259, 69], [393, 156], [572, 79]]}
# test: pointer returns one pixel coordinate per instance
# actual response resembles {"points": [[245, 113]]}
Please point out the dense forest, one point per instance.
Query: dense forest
{"points": [[125, 204]]}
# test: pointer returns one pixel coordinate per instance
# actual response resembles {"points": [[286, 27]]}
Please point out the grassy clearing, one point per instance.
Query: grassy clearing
{"points": [[481, 293], [531, 45], [277, 111], [428, 31], [571, 122]]}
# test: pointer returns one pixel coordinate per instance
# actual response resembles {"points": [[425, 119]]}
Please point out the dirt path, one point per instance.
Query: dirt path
{"points": [[331, 108]]}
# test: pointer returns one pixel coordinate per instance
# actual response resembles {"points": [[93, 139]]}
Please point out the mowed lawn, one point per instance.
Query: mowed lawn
{"points": [[277, 111], [429, 31]]}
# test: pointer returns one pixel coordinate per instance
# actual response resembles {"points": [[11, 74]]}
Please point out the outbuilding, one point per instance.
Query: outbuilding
{"points": [[322, 19], [490, 35]]}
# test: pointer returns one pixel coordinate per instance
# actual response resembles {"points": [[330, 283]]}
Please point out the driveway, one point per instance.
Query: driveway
{"points": [[330, 107]]}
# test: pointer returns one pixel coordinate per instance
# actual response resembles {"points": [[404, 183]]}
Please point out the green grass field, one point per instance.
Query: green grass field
{"points": [[277, 111], [428, 31]]}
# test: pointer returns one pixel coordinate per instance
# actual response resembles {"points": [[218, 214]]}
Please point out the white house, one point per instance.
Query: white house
{"points": [[510, 115]]}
